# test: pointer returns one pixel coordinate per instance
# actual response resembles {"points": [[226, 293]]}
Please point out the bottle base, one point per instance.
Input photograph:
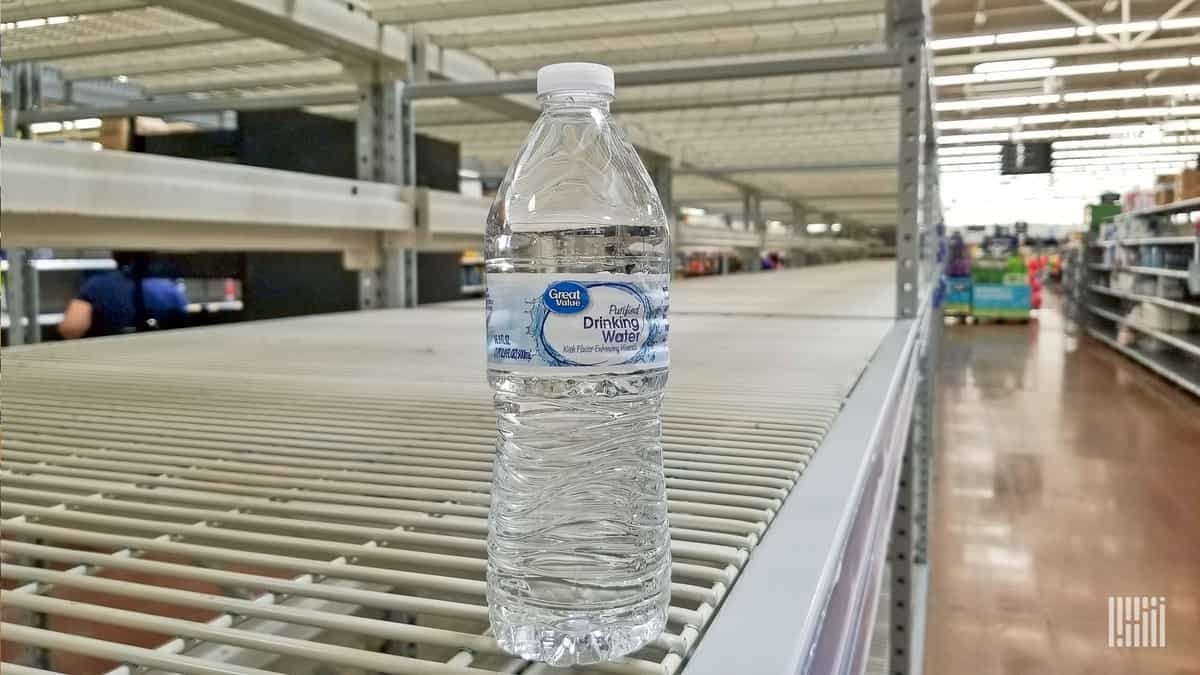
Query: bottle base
{"points": [[577, 642]]}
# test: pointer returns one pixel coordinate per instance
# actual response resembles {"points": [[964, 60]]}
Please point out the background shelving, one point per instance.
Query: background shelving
{"points": [[1150, 313]]}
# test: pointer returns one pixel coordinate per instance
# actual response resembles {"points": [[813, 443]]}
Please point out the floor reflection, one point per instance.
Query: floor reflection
{"points": [[1065, 474]]}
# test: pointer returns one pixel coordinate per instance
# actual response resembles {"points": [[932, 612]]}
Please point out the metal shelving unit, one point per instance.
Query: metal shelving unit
{"points": [[339, 478], [1181, 371], [1174, 353]]}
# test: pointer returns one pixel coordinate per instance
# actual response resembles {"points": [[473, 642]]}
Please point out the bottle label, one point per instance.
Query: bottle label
{"points": [[598, 322]]}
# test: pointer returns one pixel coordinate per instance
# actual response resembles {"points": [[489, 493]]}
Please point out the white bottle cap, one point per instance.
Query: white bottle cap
{"points": [[592, 77]]}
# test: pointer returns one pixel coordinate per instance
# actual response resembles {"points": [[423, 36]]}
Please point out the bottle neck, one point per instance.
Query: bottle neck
{"points": [[573, 101]]}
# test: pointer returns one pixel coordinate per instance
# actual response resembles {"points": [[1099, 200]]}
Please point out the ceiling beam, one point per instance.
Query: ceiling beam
{"points": [[675, 24], [224, 82], [1020, 17], [851, 61], [413, 12], [191, 105], [165, 61], [718, 199], [473, 79], [1073, 14], [1171, 13], [678, 52], [44, 10], [792, 168], [750, 99], [325, 27], [132, 43]]}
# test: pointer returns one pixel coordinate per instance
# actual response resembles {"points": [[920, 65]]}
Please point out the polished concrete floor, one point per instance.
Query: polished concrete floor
{"points": [[1065, 474]]}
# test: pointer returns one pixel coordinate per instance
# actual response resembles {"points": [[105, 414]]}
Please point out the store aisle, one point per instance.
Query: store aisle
{"points": [[1066, 474]]}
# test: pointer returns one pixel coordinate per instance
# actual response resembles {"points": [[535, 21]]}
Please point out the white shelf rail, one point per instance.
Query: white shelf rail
{"points": [[71, 197]]}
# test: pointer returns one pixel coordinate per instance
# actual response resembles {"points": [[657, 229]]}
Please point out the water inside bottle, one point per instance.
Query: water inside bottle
{"points": [[579, 559]]}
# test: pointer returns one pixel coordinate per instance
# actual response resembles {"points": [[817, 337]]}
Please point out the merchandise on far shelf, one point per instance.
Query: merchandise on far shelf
{"points": [[958, 296], [1096, 214], [1001, 288], [1137, 199], [1171, 289], [1187, 184], [1164, 189], [1154, 316], [959, 261]]}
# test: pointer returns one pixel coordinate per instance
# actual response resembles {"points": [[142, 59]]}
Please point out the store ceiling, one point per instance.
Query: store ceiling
{"points": [[839, 131]]}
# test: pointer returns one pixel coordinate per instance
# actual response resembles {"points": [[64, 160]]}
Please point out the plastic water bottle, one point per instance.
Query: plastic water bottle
{"points": [[578, 262]]}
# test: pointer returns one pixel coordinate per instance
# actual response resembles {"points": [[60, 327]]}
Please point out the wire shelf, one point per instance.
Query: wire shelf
{"points": [[250, 498]]}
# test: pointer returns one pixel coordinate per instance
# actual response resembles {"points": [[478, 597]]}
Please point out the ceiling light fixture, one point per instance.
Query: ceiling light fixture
{"points": [[1065, 33], [995, 74], [1058, 118], [1127, 131], [1035, 35], [1018, 64], [1150, 143], [1188, 150], [969, 150], [45, 127]]}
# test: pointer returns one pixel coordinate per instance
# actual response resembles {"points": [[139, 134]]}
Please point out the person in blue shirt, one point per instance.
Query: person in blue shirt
{"points": [[109, 304]]}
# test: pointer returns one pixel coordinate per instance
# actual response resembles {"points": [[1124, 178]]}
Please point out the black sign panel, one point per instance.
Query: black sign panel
{"points": [[1018, 158]]}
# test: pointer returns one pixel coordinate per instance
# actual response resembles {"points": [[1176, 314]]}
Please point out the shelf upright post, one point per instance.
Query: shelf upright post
{"points": [[799, 223], [662, 174], [908, 31], [21, 282], [33, 301], [14, 290], [752, 219], [925, 419], [386, 154], [799, 218]]}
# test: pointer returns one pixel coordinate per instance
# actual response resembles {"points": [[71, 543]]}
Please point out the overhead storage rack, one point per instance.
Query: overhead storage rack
{"points": [[272, 496]]}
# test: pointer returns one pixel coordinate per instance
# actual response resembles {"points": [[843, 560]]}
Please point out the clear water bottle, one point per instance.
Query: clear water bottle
{"points": [[578, 256]]}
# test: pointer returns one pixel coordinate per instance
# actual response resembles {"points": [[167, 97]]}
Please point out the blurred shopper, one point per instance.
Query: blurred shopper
{"points": [[111, 303]]}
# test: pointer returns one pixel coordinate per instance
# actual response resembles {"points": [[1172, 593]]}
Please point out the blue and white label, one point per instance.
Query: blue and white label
{"points": [[597, 322], [566, 297]]}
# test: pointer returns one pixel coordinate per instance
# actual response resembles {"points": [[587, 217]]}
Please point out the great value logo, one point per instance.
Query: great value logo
{"points": [[566, 297]]}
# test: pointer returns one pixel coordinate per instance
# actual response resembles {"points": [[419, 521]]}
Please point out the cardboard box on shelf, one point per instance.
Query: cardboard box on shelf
{"points": [[1164, 189], [1187, 184], [116, 133]]}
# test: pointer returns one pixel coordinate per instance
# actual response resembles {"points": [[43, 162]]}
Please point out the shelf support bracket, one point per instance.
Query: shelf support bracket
{"points": [[909, 30], [385, 145]]}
